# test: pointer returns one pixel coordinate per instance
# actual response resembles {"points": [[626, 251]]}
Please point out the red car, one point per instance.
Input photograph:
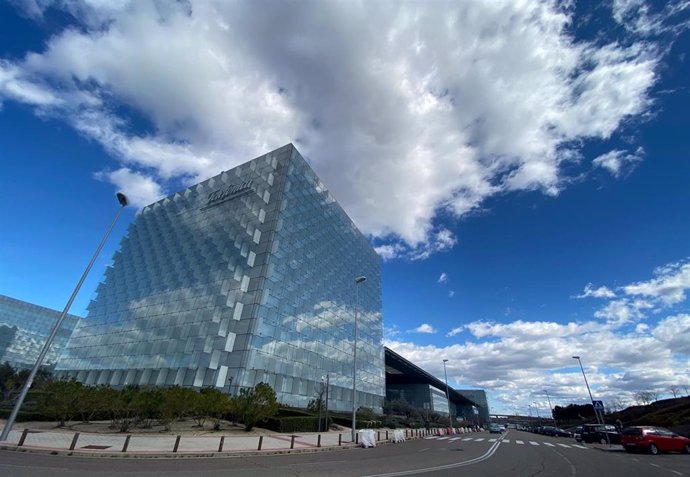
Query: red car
{"points": [[654, 440]]}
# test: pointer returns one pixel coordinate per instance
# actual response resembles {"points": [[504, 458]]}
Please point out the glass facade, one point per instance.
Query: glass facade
{"points": [[244, 278], [24, 329]]}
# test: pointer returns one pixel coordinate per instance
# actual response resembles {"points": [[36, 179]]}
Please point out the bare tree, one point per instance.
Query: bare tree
{"points": [[674, 390], [645, 398]]}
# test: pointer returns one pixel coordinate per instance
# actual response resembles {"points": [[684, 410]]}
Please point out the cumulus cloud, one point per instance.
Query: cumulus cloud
{"points": [[455, 331], [635, 301], [443, 278], [516, 360], [498, 99], [424, 328], [601, 292], [619, 162], [140, 189]]}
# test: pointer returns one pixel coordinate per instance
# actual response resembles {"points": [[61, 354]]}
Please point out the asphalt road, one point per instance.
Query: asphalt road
{"points": [[511, 454]]}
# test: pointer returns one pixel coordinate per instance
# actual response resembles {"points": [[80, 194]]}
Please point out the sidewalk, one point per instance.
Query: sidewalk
{"points": [[98, 445]]}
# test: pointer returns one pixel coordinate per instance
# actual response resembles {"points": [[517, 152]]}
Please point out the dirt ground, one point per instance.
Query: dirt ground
{"points": [[187, 427]]}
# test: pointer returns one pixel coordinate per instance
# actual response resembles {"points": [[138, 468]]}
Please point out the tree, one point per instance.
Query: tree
{"points": [[212, 404], [60, 399], [674, 390], [146, 405], [646, 397], [256, 404]]}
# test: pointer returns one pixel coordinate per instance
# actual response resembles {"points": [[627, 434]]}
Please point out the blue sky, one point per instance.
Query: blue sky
{"points": [[520, 167]]}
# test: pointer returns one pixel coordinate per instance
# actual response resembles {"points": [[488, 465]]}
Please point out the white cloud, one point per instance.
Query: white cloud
{"points": [[455, 331], [601, 292], [618, 162], [623, 311], [669, 286], [499, 98], [139, 188], [451, 293], [424, 328], [519, 359], [443, 278]]}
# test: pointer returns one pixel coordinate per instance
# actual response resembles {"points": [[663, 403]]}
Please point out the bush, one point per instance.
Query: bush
{"points": [[292, 424]]}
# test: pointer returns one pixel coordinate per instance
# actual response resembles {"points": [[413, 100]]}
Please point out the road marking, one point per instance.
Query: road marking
{"points": [[492, 440], [467, 439], [548, 444], [676, 472], [442, 438], [479, 440], [507, 441], [579, 446], [534, 443], [655, 465], [425, 449], [564, 445], [476, 460], [453, 439], [519, 442]]}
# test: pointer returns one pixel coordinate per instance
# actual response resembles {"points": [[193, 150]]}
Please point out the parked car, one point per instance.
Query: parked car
{"points": [[600, 433], [558, 432], [577, 433], [495, 429], [653, 440]]}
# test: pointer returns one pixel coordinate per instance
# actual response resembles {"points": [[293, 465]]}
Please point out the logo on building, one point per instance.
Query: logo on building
{"points": [[230, 192]]}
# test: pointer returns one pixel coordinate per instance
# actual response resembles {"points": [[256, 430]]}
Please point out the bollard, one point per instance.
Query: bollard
{"points": [[261, 441], [378, 436], [340, 439], [220, 446], [177, 443], [292, 442], [386, 435], [22, 438], [357, 438], [318, 441], [126, 444], [74, 441]]}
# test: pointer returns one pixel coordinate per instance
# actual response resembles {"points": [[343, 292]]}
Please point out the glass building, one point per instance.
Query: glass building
{"points": [[247, 277], [24, 330]]}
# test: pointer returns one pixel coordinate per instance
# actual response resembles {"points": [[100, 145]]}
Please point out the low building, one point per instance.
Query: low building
{"points": [[24, 330]]}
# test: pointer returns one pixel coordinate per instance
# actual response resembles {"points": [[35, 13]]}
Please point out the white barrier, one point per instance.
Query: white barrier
{"points": [[398, 436], [367, 437]]}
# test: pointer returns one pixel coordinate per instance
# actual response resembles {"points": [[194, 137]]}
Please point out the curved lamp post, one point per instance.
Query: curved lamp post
{"points": [[358, 280], [122, 199]]}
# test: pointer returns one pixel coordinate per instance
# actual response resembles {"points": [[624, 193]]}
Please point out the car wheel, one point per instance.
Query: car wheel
{"points": [[686, 448], [653, 449]]}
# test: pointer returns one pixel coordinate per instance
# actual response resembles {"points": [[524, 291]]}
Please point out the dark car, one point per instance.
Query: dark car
{"points": [[558, 432], [653, 440], [600, 433]]}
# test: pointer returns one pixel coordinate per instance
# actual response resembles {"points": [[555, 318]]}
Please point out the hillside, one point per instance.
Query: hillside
{"points": [[673, 414]]}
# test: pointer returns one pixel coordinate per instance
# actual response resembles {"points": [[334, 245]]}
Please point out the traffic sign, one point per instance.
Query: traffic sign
{"points": [[598, 405]]}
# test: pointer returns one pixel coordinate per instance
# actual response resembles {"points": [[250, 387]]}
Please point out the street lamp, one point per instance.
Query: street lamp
{"points": [[537, 409], [596, 414], [122, 199], [358, 280], [550, 408], [450, 415]]}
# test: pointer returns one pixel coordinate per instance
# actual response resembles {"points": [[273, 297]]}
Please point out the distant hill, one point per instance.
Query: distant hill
{"points": [[673, 414]]}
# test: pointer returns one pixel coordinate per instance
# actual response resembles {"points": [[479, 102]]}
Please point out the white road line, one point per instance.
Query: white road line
{"points": [[453, 439], [430, 437], [507, 441], [479, 440], [492, 440], [534, 443], [476, 460], [548, 444], [564, 445], [655, 465], [442, 438], [676, 472], [467, 439], [579, 446], [519, 442]]}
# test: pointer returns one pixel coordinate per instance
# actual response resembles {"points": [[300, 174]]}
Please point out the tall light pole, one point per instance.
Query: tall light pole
{"points": [[596, 414], [537, 409], [450, 414], [550, 408], [358, 280], [122, 199]]}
